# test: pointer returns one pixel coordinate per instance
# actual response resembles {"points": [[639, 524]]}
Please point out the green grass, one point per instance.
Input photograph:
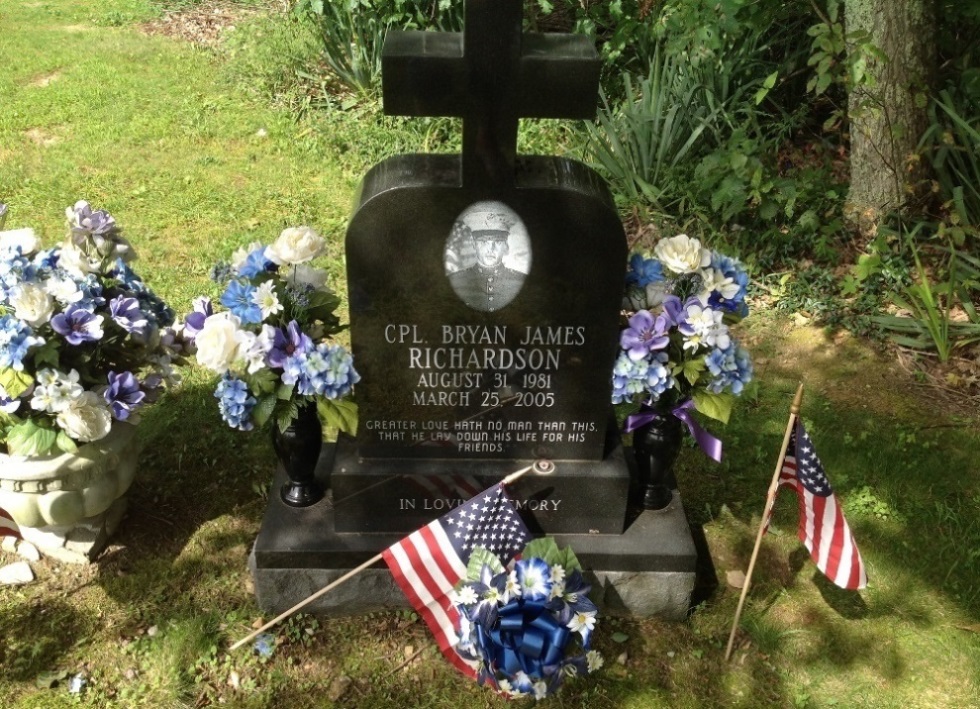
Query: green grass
{"points": [[165, 136]]}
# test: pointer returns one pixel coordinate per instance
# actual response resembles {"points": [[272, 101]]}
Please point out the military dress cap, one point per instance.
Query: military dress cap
{"points": [[495, 234]]}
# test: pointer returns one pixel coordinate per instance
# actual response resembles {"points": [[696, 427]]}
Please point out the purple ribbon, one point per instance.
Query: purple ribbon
{"points": [[708, 443]]}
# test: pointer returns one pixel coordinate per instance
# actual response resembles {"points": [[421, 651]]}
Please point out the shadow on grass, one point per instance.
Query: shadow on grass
{"points": [[911, 496], [34, 637]]}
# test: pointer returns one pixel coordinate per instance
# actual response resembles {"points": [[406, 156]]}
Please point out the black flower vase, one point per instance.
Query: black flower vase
{"points": [[656, 445], [298, 449]]}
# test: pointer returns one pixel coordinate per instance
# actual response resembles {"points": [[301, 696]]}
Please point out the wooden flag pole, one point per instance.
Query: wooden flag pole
{"points": [[794, 411], [544, 467]]}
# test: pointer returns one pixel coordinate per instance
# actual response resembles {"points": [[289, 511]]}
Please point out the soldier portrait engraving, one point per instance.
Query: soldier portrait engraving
{"points": [[487, 256]]}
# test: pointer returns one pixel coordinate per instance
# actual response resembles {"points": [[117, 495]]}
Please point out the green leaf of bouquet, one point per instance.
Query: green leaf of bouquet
{"points": [[285, 413], [27, 438], [64, 443], [339, 413], [263, 410], [15, 383], [262, 382], [693, 369], [46, 354], [567, 560], [544, 548], [478, 559], [285, 391], [620, 637], [716, 406]]}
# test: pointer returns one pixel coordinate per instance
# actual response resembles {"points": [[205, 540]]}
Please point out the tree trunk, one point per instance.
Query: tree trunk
{"points": [[888, 113]]}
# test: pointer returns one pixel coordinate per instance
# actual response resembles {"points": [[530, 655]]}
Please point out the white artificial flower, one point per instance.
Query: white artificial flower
{"points": [[512, 589], [265, 297], [295, 245], [540, 689], [254, 348], [25, 239], [241, 255], [557, 590], [709, 328], [594, 660], [682, 254], [304, 275], [466, 596], [86, 418], [582, 622], [715, 281], [557, 573], [655, 294], [64, 290], [76, 261], [54, 391], [219, 342], [31, 304]]}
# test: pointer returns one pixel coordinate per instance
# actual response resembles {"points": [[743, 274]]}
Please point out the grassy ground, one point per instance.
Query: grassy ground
{"points": [[192, 165]]}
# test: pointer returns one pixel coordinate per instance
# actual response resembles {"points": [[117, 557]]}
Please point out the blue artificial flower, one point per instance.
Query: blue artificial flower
{"points": [[643, 271], [265, 644], [238, 299], [658, 377], [78, 325], [127, 314], [121, 271], [16, 338], [730, 368], [327, 371], [629, 378], [46, 261], [732, 298], [91, 290], [256, 263], [8, 404], [645, 334], [235, 403], [123, 394], [534, 577]]}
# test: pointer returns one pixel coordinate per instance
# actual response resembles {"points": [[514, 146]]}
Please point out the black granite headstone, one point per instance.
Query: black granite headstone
{"points": [[485, 287], [484, 294]]}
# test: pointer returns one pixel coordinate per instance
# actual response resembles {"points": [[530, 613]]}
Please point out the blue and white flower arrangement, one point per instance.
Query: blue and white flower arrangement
{"points": [[529, 627], [273, 345], [83, 341], [677, 347]]}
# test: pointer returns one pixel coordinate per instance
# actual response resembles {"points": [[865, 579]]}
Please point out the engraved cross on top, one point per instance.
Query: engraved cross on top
{"points": [[491, 75]]}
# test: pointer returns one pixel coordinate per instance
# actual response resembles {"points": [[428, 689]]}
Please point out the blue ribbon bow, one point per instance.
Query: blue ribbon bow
{"points": [[526, 638]]}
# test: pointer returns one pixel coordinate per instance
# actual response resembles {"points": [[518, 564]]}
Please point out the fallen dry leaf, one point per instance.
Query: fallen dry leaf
{"points": [[735, 579]]}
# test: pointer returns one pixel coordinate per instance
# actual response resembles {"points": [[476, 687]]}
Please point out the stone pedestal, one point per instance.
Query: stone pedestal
{"points": [[81, 542], [647, 570]]}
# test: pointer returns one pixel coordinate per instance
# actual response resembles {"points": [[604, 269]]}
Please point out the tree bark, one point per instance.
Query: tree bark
{"points": [[888, 114]]}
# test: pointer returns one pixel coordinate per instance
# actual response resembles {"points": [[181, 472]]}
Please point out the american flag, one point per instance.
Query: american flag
{"points": [[428, 562], [8, 527], [823, 529]]}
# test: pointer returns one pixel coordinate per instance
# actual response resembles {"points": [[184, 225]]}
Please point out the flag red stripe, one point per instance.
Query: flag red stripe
{"points": [[440, 559], [438, 595], [412, 593]]}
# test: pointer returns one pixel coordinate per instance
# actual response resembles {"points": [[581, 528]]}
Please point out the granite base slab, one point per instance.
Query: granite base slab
{"points": [[648, 570]]}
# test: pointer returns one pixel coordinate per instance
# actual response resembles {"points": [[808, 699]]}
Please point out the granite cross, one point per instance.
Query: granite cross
{"points": [[491, 75]]}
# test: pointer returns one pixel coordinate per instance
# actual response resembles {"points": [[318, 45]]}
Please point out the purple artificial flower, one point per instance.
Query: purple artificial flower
{"points": [[123, 395], [85, 220], [195, 320], [288, 343], [674, 309], [77, 325], [645, 334], [127, 314]]}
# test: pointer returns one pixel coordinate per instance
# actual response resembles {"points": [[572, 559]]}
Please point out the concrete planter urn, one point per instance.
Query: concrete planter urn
{"points": [[68, 504]]}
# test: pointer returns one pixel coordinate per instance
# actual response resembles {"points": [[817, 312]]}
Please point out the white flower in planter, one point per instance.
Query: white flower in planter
{"points": [[682, 254]]}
